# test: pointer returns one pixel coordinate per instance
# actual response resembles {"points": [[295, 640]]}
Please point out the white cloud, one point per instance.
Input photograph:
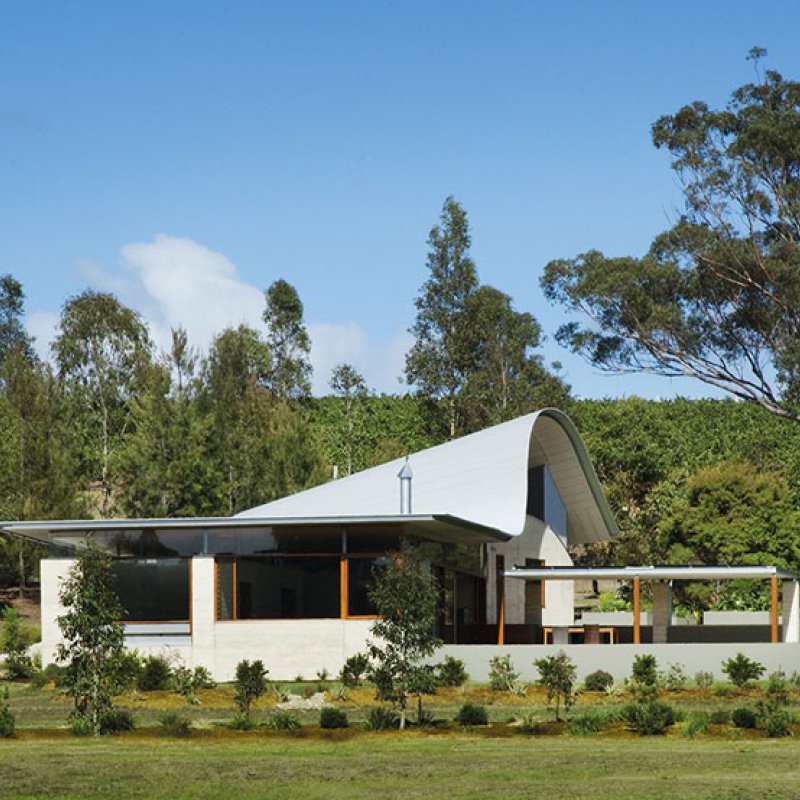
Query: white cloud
{"points": [[173, 281], [42, 326]]}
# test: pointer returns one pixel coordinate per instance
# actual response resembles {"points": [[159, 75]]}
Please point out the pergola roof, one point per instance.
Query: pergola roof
{"points": [[693, 573]]}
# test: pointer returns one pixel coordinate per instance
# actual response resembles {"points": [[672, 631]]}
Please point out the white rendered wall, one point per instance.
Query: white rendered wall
{"points": [[288, 647], [52, 572], [540, 542]]}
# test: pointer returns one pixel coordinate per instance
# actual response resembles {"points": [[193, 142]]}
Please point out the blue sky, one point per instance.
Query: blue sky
{"points": [[186, 154]]}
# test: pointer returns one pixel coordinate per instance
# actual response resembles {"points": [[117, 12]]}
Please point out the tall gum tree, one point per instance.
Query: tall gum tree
{"points": [[101, 350], [432, 364], [716, 297]]}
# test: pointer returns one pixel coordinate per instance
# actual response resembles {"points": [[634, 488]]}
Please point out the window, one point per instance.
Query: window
{"points": [[153, 589], [544, 501]]}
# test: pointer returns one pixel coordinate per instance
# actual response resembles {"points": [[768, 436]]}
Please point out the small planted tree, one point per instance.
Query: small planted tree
{"points": [[557, 675], [251, 683], [14, 641], [92, 638], [404, 595], [741, 670]]}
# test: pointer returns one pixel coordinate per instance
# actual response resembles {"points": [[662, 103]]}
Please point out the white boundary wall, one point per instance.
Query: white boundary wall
{"points": [[617, 659]]}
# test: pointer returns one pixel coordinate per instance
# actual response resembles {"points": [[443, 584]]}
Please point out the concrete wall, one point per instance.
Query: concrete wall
{"points": [[52, 572], [618, 659]]}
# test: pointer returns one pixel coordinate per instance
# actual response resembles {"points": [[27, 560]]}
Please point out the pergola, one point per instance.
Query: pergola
{"points": [[661, 578]]}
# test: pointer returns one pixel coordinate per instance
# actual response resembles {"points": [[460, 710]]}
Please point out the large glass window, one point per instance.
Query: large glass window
{"points": [[361, 572], [153, 590], [544, 501], [278, 587]]}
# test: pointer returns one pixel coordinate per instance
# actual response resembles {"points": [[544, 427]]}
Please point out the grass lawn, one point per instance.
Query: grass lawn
{"points": [[390, 765]]}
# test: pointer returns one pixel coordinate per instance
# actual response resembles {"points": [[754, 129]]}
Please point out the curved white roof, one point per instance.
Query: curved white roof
{"points": [[482, 478]]}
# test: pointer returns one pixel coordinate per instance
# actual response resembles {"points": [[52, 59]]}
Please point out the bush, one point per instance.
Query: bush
{"points": [[14, 641], [251, 683], [283, 721], [776, 721], [649, 719], [81, 726], [188, 681], [502, 675], [354, 670], [719, 716], [52, 673], [380, 718], [741, 670], [674, 679], [591, 721], [703, 680], [243, 722], [155, 675], [598, 681], [777, 690], [8, 722], [331, 717], [116, 721], [127, 670], [644, 678], [451, 672], [173, 724], [472, 714], [744, 717], [696, 722]]}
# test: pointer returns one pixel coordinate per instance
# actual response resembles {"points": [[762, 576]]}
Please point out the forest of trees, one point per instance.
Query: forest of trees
{"points": [[111, 427]]}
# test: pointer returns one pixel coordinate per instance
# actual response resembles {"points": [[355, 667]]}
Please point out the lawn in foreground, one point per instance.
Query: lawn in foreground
{"points": [[392, 765]]}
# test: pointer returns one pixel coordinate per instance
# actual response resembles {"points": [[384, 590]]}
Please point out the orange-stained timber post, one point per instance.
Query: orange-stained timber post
{"points": [[637, 616], [501, 618], [773, 615], [344, 588]]}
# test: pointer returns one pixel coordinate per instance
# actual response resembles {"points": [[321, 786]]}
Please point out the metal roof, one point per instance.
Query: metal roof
{"points": [[693, 573], [482, 477], [442, 527]]}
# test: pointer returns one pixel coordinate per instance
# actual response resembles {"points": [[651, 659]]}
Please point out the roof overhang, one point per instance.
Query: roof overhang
{"points": [[696, 573], [438, 527]]}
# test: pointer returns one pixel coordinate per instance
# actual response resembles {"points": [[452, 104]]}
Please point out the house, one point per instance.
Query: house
{"points": [[287, 582]]}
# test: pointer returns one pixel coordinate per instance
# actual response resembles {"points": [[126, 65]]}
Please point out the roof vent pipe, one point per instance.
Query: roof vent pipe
{"points": [[405, 476]]}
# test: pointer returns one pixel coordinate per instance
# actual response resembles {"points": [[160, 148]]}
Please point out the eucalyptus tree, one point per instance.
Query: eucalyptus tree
{"points": [[288, 341], [432, 364], [716, 297], [495, 351], [351, 388], [101, 350]]}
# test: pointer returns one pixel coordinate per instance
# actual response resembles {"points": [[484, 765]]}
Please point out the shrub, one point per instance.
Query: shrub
{"points": [[188, 681], [243, 722], [674, 678], [331, 717], [741, 670], [472, 714], [777, 690], [117, 720], [251, 683], [338, 692], [703, 680], [530, 723], [8, 722], [155, 675], [598, 681], [696, 722], [502, 675], [52, 673], [380, 718], [14, 641], [650, 718], [354, 669], [283, 721], [591, 721], [776, 721], [173, 724], [81, 726], [719, 716], [744, 717], [451, 672], [644, 678]]}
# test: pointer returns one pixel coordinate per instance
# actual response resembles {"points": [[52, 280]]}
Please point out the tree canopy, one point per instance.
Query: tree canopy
{"points": [[716, 297]]}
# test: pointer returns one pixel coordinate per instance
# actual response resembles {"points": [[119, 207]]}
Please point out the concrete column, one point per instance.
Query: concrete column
{"points": [[560, 634], [203, 589], [52, 572], [791, 611], [662, 611]]}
